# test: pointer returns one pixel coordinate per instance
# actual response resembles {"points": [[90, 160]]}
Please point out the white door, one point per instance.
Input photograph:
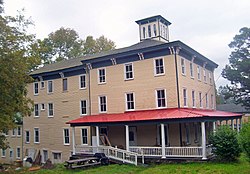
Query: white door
{"points": [[132, 136]]}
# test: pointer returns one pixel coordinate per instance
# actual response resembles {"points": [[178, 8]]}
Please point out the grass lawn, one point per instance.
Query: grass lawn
{"points": [[242, 166]]}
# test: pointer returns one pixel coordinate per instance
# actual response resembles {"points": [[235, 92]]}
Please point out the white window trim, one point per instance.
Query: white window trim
{"points": [[199, 72], [80, 81], [66, 144], [11, 150], [53, 109], [35, 135], [156, 99], [191, 74], [193, 106], [35, 110], [18, 147], [87, 136], [42, 109], [19, 135], [3, 155], [52, 87], [99, 103], [186, 97], [98, 75], [27, 142], [126, 105], [163, 62], [67, 84], [125, 78], [37, 88], [81, 107], [206, 100], [184, 65], [200, 100]]}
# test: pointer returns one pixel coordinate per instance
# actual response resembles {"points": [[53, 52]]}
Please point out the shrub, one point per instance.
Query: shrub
{"points": [[225, 144], [244, 139]]}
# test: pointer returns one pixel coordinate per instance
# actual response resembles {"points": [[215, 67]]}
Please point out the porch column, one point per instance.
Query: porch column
{"points": [[237, 125], [73, 140], [97, 136], [163, 146], [232, 124], [127, 137], [203, 137], [214, 126]]}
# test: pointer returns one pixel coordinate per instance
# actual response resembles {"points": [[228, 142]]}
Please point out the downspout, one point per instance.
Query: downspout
{"points": [[89, 96]]}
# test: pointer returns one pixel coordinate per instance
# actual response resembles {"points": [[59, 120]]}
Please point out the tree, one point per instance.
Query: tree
{"points": [[16, 61], [225, 144], [238, 69], [244, 139]]}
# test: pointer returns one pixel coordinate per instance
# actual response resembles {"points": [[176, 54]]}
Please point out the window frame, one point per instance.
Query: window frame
{"points": [[198, 73], [48, 87], [11, 154], [27, 137], [183, 66], [3, 154], [212, 101], [49, 110], [81, 107], [185, 97], [193, 99], [13, 132], [35, 136], [200, 100], [64, 137], [210, 77], [65, 84], [205, 75], [149, 31], [128, 102], [19, 131], [84, 82], [206, 101], [191, 67], [86, 136], [156, 98], [100, 76], [128, 72], [34, 88], [18, 153], [155, 67], [100, 104], [36, 110], [42, 106], [42, 84]]}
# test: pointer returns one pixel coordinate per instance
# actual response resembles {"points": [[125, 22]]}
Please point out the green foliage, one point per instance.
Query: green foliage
{"points": [[238, 71], [244, 139], [225, 144], [16, 61]]}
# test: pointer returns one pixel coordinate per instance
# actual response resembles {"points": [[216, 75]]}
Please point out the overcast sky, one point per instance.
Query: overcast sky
{"points": [[208, 26]]}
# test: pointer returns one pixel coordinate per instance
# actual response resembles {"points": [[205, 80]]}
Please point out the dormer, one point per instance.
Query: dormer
{"points": [[156, 27]]}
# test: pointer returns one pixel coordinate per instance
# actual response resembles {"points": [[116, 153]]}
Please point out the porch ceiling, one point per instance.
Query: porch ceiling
{"points": [[169, 114]]}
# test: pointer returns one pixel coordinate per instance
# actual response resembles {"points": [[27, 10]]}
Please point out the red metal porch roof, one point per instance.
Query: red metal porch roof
{"points": [[147, 115]]}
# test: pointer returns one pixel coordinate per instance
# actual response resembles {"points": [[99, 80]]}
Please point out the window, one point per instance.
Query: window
{"points": [[36, 110], [130, 101], [102, 76], [198, 72], [102, 104], [206, 98], [183, 66], [191, 70], [129, 71], [149, 30], [210, 77], [84, 136], [144, 32], [155, 33], [82, 79], [193, 99], [36, 135], [66, 136], [185, 97], [159, 66], [65, 84], [36, 89], [205, 75], [83, 106], [19, 131], [11, 153], [18, 152], [6, 132], [57, 156], [14, 132], [42, 107], [42, 83], [161, 98], [187, 133], [50, 109], [200, 99], [50, 86], [27, 136], [212, 101], [3, 152]]}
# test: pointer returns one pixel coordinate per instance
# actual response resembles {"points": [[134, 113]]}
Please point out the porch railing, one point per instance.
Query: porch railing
{"points": [[170, 151], [111, 152]]}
